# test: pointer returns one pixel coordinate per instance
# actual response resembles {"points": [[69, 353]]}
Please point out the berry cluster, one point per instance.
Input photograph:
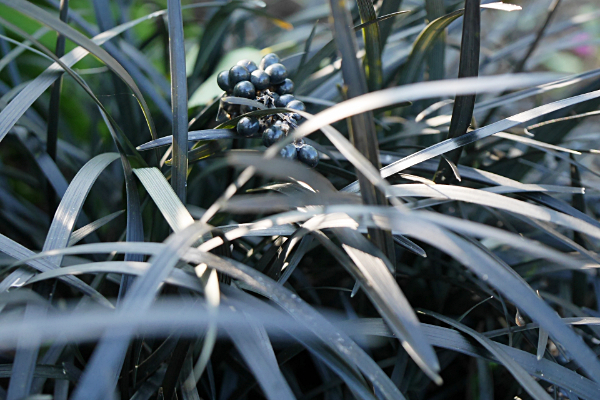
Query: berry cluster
{"points": [[269, 85]]}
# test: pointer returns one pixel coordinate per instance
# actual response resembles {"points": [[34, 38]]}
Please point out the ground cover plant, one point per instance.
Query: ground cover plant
{"points": [[299, 199]]}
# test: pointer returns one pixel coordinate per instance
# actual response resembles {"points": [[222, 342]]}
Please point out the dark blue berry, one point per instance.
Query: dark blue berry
{"points": [[288, 151], [277, 73], [272, 135], [237, 73], [308, 155], [249, 65], [287, 87], [269, 59], [223, 81], [248, 126], [296, 105], [244, 89], [284, 100], [260, 79]]}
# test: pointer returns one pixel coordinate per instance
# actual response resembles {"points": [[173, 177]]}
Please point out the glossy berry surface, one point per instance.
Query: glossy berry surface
{"points": [[223, 81], [249, 65], [296, 105], [268, 60], [272, 135], [248, 126], [288, 152], [244, 89], [284, 100], [260, 79], [287, 87], [237, 73], [277, 73], [308, 155]]}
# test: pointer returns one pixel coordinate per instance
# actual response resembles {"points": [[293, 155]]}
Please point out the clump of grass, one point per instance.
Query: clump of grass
{"points": [[445, 246]]}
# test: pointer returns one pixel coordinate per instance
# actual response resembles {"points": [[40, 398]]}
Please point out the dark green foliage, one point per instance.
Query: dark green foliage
{"points": [[161, 238]]}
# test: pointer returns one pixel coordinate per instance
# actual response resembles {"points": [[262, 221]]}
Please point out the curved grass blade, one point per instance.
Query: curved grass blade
{"points": [[451, 144], [21, 276], [102, 371], [377, 281], [177, 216], [179, 99], [16, 108], [206, 134], [526, 381], [47, 19], [82, 232], [453, 340], [283, 169], [72, 202], [495, 200], [253, 343]]}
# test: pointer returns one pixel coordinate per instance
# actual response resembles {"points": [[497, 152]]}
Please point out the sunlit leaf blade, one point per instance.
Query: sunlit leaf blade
{"points": [[451, 144], [207, 134], [165, 198]]}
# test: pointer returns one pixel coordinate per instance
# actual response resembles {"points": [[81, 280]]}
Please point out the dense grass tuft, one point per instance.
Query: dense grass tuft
{"points": [[444, 247]]}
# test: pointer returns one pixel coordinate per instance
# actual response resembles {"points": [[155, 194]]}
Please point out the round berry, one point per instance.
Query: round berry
{"points": [[272, 135], [284, 100], [269, 59], [296, 105], [288, 151], [308, 155], [249, 65], [237, 73], [248, 126], [246, 109], [244, 89], [287, 87], [223, 81], [277, 73], [260, 79]]}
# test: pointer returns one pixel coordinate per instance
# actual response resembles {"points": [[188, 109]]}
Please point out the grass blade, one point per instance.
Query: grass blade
{"points": [[372, 40], [82, 232], [451, 144], [72, 202], [23, 366], [47, 19], [21, 276], [54, 107], [253, 344], [376, 279], [177, 216], [462, 113], [362, 126], [526, 381], [179, 99]]}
